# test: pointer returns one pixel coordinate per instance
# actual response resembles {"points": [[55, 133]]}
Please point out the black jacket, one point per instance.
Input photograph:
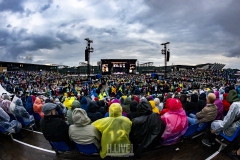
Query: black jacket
{"points": [[202, 101], [55, 129], [147, 129], [92, 112]]}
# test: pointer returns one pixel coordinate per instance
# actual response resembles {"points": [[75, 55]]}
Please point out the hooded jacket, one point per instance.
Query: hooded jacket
{"points": [[82, 131], [193, 105], [92, 112], [226, 104], [37, 107], [219, 105], [84, 103], [202, 101], [146, 129], [126, 105], [176, 122], [29, 105], [68, 102], [75, 104], [154, 108], [114, 134], [133, 110], [231, 121]]}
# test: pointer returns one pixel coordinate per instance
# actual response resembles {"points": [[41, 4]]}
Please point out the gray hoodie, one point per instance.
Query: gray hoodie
{"points": [[82, 131]]}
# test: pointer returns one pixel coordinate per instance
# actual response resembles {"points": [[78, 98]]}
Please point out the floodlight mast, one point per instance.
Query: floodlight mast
{"points": [[89, 49], [164, 51]]}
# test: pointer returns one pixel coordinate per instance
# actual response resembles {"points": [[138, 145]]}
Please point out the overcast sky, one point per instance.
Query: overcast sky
{"points": [[53, 31]]}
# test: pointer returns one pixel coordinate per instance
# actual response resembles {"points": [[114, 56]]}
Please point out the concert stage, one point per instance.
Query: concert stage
{"points": [[118, 66]]}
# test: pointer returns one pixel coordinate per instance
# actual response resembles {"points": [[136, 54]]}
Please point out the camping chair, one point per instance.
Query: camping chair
{"points": [[229, 139], [26, 124], [191, 130], [60, 146], [87, 149]]}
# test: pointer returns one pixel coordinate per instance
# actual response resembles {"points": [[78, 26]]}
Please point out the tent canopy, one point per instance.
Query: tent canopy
{"points": [[2, 90]]}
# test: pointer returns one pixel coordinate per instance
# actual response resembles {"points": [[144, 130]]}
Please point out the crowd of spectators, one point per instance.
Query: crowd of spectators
{"points": [[141, 110]]}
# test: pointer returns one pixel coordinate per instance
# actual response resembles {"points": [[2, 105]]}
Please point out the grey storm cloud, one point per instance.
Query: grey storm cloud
{"points": [[46, 6], [120, 29], [12, 5]]}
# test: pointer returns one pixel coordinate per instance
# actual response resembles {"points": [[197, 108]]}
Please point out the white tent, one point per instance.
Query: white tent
{"points": [[2, 90]]}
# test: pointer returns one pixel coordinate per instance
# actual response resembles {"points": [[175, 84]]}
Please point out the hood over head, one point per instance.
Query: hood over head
{"points": [[115, 110], [202, 96], [216, 94], [84, 101], [75, 104], [174, 104], [127, 101], [92, 107], [144, 108], [232, 96], [133, 106], [19, 102], [80, 118], [194, 98], [183, 98], [29, 99]]}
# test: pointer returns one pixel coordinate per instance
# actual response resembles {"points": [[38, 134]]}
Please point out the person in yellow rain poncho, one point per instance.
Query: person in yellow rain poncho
{"points": [[115, 131], [68, 102], [154, 108]]}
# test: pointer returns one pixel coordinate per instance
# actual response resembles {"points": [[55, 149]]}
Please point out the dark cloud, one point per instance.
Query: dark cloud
{"points": [[67, 38], [12, 5], [9, 26], [46, 6], [234, 52]]}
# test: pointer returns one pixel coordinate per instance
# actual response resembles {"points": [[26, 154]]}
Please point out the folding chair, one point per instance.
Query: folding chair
{"points": [[229, 139], [60, 146], [26, 124], [87, 149]]}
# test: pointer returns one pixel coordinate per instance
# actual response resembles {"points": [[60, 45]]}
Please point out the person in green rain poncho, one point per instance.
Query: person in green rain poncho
{"points": [[115, 131]]}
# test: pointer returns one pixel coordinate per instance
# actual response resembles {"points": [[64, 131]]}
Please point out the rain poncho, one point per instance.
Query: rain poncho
{"points": [[37, 107], [84, 103], [68, 102], [29, 105], [146, 129], [154, 108], [176, 122], [115, 131], [219, 105], [13, 126], [20, 111], [231, 121]]}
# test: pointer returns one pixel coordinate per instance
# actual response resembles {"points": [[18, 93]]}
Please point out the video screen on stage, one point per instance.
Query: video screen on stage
{"points": [[105, 68], [132, 68], [118, 67]]}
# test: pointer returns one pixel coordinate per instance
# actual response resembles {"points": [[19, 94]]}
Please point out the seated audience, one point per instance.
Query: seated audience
{"points": [[207, 114], [219, 105], [75, 104], [115, 130], [92, 112], [229, 124], [10, 126], [20, 111], [133, 110], [176, 122], [82, 131], [37, 106], [54, 128], [146, 129]]}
